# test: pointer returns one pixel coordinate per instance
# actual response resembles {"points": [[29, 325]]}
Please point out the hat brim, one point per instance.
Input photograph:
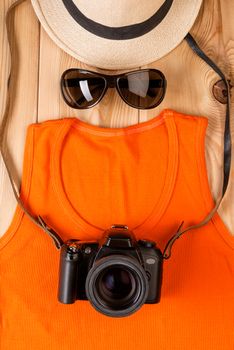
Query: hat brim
{"points": [[116, 54]]}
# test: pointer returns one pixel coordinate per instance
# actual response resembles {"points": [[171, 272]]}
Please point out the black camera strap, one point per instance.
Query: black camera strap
{"points": [[227, 152]]}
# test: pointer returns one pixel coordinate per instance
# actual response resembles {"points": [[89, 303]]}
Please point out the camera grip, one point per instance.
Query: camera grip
{"points": [[153, 263], [68, 269], [155, 283]]}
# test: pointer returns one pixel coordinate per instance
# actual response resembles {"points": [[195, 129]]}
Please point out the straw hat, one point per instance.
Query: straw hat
{"points": [[117, 34]]}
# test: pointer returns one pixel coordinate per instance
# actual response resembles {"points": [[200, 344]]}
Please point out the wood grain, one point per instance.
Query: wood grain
{"points": [[38, 64]]}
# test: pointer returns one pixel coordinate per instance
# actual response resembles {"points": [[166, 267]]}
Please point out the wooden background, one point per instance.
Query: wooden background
{"points": [[35, 95]]}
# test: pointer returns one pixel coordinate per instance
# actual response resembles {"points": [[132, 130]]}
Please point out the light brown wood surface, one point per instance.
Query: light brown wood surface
{"points": [[35, 95]]}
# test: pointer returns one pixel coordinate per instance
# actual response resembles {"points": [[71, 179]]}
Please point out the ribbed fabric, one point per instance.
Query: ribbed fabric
{"points": [[81, 179]]}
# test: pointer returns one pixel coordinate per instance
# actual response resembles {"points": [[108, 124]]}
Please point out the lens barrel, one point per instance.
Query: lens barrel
{"points": [[117, 285]]}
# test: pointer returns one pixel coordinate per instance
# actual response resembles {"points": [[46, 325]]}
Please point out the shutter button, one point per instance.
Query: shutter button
{"points": [[147, 244]]}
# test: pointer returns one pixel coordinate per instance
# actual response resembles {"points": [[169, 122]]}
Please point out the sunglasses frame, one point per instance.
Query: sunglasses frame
{"points": [[111, 81]]}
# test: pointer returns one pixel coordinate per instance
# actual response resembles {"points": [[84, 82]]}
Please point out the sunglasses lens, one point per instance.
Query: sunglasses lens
{"points": [[142, 89], [82, 89]]}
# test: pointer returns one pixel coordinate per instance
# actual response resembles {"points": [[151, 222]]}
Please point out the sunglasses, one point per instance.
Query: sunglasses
{"points": [[142, 89]]}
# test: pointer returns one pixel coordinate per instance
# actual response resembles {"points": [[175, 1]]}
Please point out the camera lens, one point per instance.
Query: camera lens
{"points": [[117, 282], [117, 285]]}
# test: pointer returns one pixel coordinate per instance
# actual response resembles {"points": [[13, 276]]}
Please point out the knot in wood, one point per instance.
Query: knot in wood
{"points": [[220, 91]]}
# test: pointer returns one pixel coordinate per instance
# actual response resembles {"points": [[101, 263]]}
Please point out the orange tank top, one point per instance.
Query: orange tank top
{"points": [[82, 179]]}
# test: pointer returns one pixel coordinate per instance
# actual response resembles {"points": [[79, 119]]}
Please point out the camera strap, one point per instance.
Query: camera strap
{"points": [[226, 152], [226, 157], [36, 220]]}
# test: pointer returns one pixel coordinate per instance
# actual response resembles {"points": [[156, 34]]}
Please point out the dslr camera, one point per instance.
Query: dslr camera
{"points": [[117, 274]]}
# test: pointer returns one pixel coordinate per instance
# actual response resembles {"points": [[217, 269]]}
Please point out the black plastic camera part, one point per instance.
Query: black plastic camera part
{"points": [[116, 274]]}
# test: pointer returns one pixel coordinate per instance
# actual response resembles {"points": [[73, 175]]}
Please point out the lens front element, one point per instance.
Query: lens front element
{"points": [[116, 286]]}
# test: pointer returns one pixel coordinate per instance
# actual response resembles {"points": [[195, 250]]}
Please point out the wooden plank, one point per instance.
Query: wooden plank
{"points": [[23, 92], [190, 85], [227, 12]]}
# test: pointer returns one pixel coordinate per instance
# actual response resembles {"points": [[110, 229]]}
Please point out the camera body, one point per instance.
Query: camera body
{"points": [[117, 274]]}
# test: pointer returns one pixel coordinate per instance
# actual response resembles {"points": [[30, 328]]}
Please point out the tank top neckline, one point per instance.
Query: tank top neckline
{"points": [[165, 117]]}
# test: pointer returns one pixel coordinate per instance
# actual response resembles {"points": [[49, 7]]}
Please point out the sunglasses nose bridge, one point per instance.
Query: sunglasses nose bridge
{"points": [[111, 81]]}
